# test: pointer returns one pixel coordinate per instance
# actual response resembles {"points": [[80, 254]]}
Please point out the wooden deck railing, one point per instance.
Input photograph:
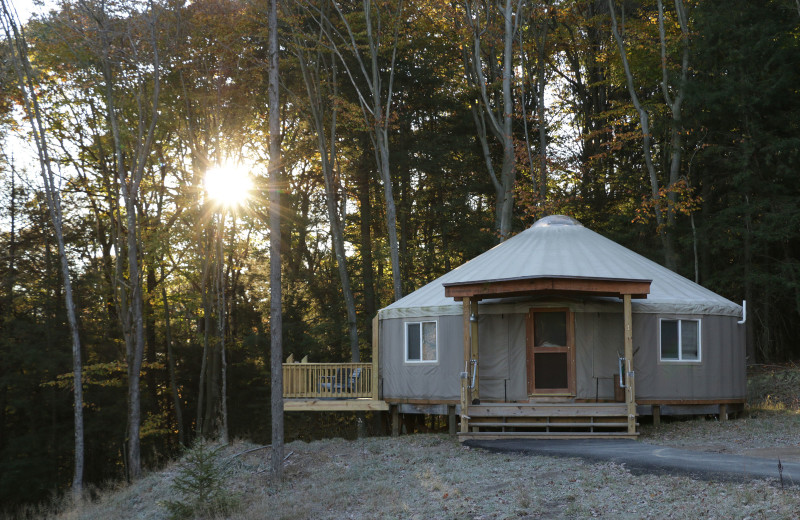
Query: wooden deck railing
{"points": [[328, 380]]}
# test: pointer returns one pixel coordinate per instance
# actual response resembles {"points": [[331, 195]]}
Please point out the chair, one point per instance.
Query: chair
{"points": [[340, 382], [331, 383], [351, 384]]}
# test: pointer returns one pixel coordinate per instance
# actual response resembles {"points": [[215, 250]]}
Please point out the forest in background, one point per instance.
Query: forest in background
{"points": [[416, 134]]}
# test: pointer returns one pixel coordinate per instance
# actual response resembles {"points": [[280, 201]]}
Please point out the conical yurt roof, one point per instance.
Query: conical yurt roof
{"points": [[560, 246]]}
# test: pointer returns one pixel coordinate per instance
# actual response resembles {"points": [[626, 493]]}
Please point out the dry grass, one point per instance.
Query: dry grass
{"points": [[774, 387], [769, 426], [432, 476]]}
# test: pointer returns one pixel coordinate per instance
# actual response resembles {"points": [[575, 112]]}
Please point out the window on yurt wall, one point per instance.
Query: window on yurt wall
{"points": [[680, 340], [421, 342]]}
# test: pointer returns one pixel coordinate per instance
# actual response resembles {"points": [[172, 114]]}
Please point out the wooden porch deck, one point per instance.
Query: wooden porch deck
{"points": [[549, 420], [333, 387]]}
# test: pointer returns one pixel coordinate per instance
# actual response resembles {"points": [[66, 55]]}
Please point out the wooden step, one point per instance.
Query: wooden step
{"points": [[549, 424], [544, 435], [549, 410]]}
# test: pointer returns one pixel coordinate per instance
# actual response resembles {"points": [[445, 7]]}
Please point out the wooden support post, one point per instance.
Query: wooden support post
{"points": [[464, 380], [474, 349], [630, 391], [375, 350], [395, 420], [451, 419], [656, 415], [723, 412]]}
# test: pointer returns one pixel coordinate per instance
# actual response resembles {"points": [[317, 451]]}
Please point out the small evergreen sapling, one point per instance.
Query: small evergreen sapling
{"points": [[201, 484]]}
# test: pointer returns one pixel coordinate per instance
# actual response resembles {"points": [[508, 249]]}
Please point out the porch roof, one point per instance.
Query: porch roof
{"points": [[563, 285]]}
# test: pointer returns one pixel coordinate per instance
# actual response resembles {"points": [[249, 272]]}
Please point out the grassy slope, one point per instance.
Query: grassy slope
{"points": [[432, 476]]}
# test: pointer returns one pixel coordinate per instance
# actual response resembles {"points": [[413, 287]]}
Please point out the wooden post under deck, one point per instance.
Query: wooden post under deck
{"points": [[630, 390], [395, 420], [465, 381], [375, 339], [474, 349]]}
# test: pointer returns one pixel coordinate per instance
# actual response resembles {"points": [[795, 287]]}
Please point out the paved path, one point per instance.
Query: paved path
{"points": [[640, 457]]}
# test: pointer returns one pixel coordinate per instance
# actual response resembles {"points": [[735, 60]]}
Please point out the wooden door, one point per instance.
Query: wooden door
{"points": [[550, 340]]}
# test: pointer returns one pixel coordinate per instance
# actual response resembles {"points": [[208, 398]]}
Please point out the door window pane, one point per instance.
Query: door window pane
{"points": [[550, 329], [550, 370]]}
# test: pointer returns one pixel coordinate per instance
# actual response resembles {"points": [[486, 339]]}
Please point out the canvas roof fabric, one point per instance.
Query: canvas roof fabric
{"points": [[560, 246]]}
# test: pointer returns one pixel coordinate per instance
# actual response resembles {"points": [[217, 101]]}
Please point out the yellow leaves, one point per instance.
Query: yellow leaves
{"points": [[155, 424], [678, 197], [113, 374]]}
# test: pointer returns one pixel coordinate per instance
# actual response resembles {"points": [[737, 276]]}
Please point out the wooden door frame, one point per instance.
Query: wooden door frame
{"points": [[570, 350]]}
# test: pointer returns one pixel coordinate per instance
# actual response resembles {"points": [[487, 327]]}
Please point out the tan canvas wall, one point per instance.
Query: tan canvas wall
{"points": [[721, 374], [502, 359], [598, 340], [438, 380], [501, 339]]}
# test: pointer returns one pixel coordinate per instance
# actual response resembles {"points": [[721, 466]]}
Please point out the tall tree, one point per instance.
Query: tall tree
{"points": [[664, 229], [275, 309], [488, 24], [27, 81], [320, 77], [130, 174], [372, 77]]}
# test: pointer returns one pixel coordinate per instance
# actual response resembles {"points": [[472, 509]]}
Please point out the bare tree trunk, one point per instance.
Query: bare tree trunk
{"points": [[275, 315], [499, 118], [173, 381], [375, 106], [326, 146], [644, 120], [131, 305], [26, 79], [675, 103], [221, 325], [201, 391], [365, 228], [541, 83], [150, 330]]}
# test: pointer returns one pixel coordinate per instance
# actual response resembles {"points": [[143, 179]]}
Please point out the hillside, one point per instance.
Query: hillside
{"points": [[432, 476]]}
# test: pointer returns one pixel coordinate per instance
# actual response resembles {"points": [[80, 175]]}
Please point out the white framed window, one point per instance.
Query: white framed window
{"points": [[421, 342], [679, 340]]}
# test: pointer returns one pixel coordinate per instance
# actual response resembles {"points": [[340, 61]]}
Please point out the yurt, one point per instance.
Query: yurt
{"points": [[559, 330]]}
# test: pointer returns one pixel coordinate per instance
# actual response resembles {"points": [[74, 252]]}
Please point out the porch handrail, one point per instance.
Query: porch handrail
{"points": [[328, 380]]}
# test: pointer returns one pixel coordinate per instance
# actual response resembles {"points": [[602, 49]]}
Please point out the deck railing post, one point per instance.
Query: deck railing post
{"points": [[375, 353]]}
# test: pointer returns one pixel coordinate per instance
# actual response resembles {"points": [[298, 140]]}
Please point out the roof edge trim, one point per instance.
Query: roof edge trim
{"points": [[547, 284]]}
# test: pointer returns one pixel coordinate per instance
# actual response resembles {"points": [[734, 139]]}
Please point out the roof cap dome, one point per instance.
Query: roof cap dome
{"points": [[556, 220]]}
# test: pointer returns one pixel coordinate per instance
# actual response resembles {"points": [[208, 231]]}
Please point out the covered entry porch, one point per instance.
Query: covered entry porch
{"points": [[551, 407]]}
